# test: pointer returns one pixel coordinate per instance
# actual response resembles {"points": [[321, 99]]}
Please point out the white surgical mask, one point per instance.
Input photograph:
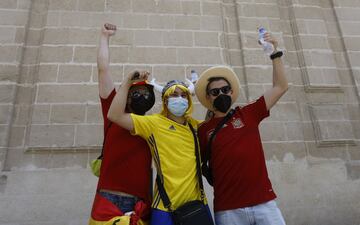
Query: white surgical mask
{"points": [[177, 105]]}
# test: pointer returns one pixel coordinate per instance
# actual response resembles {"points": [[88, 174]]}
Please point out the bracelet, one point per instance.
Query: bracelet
{"points": [[275, 55]]}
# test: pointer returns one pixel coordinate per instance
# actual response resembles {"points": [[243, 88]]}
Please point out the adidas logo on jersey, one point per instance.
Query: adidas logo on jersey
{"points": [[172, 127]]}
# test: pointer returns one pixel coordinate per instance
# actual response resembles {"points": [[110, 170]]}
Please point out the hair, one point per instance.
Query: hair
{"points": [[171, 90], [212, 79]]}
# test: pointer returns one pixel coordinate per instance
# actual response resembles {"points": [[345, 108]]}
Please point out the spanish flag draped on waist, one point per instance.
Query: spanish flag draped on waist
{"points": [[104, 212]]}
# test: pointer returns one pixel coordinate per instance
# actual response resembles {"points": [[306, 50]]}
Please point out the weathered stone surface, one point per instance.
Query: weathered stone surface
{"points": [[51, 119]]}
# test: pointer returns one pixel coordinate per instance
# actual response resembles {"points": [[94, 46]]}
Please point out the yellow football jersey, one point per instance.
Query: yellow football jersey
{"points": [[173, 148]]}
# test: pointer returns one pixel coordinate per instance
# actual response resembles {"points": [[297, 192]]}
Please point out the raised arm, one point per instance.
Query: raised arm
{"points": [[117, 112], [106, 84], [280, 83]]}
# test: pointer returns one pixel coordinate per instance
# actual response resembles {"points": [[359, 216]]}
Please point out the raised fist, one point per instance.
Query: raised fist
{"points": [[108, 29]]}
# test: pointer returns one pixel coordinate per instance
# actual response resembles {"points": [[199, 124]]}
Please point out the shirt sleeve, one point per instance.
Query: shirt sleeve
{"points": [[105, 105], [202, 139], [143, 125], [258, 110]]}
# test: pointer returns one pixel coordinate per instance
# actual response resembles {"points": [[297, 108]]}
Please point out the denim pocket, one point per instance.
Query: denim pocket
{"points": [[124, 203]]}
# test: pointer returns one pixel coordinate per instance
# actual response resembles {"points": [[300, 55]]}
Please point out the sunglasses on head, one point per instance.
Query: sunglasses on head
{"points": [[140, 92], [216, 91]]}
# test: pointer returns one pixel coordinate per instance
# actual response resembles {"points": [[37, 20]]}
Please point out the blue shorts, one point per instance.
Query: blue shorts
{"points": [[159, 217]]}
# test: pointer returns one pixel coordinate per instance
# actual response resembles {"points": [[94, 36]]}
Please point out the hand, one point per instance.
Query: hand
{"points": [[269, 38], [137, 76], [108, 29]]}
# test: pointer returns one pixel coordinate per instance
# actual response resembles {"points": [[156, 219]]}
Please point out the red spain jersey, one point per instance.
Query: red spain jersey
{"points": [[237, 159], [126, 165]]}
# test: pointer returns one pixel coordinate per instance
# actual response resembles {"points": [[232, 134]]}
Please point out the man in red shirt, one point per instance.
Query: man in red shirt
{"points": [[125, 174], [243, 194]]}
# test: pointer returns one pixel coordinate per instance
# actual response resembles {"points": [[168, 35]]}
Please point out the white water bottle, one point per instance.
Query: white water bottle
{"points": [[267, 46], [194, 76]]}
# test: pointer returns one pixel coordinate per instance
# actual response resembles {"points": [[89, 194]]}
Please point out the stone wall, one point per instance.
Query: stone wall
{"points": [[50, 121]]}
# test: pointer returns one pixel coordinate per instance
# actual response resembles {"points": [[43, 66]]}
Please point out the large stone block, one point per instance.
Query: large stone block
{"points": [[353, 171], [85, 54], [331, 124], [5, 113], [119, 55], [94, 114], [78, 185], [40, 114], [313, 13], [8, 53], [177, 38], [353, 57], [25, 94], [273, 131], [56, 54], [8, 72], [152, 55], [287, 111], [199, 56], [116, 72], [7, 92], [211, 8], [187, 22], [312, 42], [232, 40], [8, 4], [63, 5], [94, 6], [211, 23], [65, 113], [258, 75], [17, 136], [327, 153], [7, 34], [254, 57], [13, 18], [122, 37], [141, 67], [89, 135], [70, 36], [118, 6], [53, 18], [149, 6], [47, 73], [209, 39], [190, 7], [51, 136], [81, 19], [148, 38], [161, 22], [347, 14], [3, 135], [163, 74], [74, 73], [67, 93], [135, 21]]}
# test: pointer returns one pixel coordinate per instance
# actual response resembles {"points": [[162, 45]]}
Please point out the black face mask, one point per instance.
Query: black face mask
{"points": [[222, 103], [140, 104]]}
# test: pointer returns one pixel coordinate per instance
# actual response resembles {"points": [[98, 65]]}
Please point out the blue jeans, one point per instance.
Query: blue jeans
{"points": [[124, 203], [263, 214]]}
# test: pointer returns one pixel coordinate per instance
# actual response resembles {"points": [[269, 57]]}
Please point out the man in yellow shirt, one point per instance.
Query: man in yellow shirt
{"points": [[172, 144]]}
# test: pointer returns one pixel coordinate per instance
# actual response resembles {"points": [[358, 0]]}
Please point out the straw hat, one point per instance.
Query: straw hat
{"points": [[216, 71]]}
